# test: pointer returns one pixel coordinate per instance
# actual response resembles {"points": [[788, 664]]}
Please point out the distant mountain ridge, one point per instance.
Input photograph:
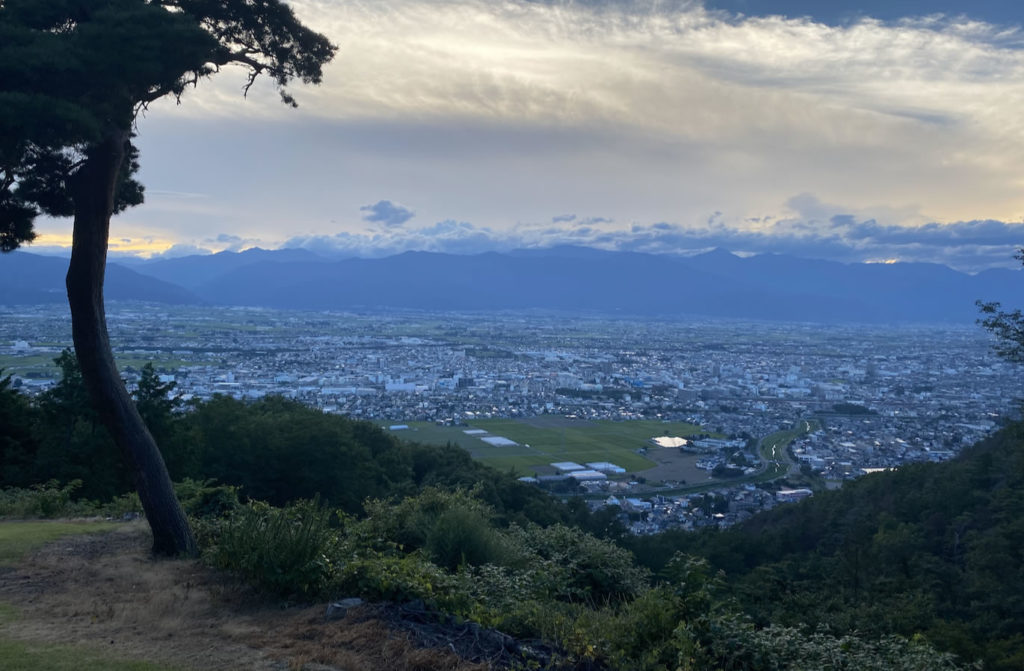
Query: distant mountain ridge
{"points": [[714, 284], [29, 279], [194, 270]]}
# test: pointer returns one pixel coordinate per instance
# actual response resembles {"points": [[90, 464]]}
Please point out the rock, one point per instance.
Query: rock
{"points": [[337, 610]]}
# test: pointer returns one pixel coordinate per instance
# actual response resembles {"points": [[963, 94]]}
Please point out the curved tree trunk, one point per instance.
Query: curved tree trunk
{"points": [[93, 190]]}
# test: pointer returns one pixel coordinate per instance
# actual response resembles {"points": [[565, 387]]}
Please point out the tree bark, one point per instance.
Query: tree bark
{"points": [[93, 190]]}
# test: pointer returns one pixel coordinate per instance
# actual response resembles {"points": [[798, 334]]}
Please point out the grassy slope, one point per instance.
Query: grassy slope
{"points": [[31, 656], [17, 539]]}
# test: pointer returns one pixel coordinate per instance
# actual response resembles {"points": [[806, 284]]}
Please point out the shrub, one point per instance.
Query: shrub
{"points": [[571, 565], [201, 498], [461, 536], [284, 550], [406, 525], [121, 507], [738, 645], [374, 575], [46, 500]]}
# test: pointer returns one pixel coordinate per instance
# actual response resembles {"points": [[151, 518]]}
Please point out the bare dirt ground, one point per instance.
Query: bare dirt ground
{"points": [[105, 590], [673, 466]]}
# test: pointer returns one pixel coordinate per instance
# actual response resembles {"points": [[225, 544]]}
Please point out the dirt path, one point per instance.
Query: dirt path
{"points": [[104, 590]]}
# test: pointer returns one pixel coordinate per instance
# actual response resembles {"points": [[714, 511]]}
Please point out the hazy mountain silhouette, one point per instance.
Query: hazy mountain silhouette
{"points": [[716, 284], [194, 270], [27, 279]]}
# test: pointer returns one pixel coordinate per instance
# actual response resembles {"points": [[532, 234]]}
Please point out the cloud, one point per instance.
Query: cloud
{"points": [[387, 213], [228, 242], [182, 249], [581, 62], [671, 67], [968, 245], [447, 236], [653, 114]]}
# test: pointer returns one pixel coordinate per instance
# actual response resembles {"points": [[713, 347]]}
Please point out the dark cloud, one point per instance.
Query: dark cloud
{"points": [[230, 242], [966, 245], [387, 213], [563, 218], [816, 232], [984, 232]]}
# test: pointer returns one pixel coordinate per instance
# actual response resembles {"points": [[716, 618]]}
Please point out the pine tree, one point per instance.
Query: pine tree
{"points": [[74, 74]]}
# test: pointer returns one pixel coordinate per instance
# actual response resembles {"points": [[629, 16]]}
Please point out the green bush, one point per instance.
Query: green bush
{"points": [[406, 525], [737, 644], [121, 507], [201, 498], [287, 551], [571, 565], [582, 596], [375, 575], [461, 536], [44, 501]]}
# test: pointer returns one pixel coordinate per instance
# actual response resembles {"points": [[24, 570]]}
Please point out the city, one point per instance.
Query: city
{"points": [[879, 397]]}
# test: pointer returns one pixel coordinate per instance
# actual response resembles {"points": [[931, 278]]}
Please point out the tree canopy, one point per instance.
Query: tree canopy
{"points": [[74, 75], [73, 70], [1006, 326]]}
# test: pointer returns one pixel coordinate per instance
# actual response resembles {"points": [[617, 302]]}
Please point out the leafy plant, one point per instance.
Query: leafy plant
{"points": [[284, 550], [571, 565], [205, 499], [48, 500], [375, 575]]}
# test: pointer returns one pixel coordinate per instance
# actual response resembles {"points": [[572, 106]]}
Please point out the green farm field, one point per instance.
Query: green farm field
{"points": [[34, 365], [41, 365], [546, 439]]}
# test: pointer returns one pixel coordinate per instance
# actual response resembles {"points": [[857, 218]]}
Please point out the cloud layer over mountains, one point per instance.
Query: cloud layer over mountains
{"points": [[669, 125]]}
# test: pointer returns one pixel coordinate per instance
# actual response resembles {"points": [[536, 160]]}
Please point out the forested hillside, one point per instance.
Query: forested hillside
{"points": [[315, 506], [933, 549]]}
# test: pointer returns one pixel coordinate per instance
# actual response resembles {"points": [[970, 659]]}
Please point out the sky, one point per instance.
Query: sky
{"points": [[853, 131]]}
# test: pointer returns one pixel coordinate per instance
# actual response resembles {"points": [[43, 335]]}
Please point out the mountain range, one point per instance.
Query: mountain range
{"points": [[713, 284]]}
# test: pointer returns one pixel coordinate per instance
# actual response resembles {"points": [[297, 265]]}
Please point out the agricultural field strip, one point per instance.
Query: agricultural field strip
{"points": [[42, 364], [616, 442]]}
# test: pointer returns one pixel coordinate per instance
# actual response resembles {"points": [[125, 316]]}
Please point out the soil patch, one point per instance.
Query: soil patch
{"points": [[105, 590], [674, 466]]}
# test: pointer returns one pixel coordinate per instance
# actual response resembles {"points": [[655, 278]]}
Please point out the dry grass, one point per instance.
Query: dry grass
{"points": [[106, 589], [18, 537]]}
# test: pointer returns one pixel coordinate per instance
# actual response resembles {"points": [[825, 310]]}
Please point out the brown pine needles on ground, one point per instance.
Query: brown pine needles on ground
{"points": [[106, 591]]}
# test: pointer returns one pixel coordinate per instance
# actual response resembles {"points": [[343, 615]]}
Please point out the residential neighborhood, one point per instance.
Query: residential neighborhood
{"points": [[876, 397]]}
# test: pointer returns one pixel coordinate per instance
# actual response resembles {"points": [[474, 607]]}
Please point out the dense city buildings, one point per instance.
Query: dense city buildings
{"points": [[879, 396]]}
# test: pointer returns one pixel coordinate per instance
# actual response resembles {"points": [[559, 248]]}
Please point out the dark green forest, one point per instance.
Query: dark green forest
{"points": [[897, 570], [931, 549]]}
